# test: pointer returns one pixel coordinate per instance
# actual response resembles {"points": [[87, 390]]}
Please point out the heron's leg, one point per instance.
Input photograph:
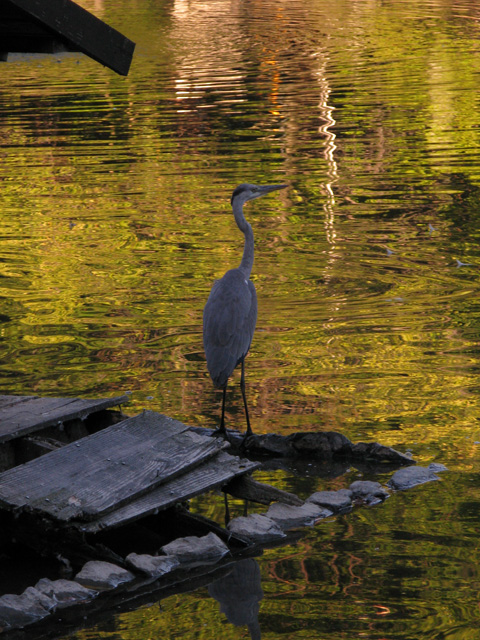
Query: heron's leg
{"points": [[227, 509], [221, 431], [222, 420], [242, 387]]}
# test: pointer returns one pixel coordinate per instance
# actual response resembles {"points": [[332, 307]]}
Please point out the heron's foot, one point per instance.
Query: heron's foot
{"points": [[243, 444], [222, 433]]}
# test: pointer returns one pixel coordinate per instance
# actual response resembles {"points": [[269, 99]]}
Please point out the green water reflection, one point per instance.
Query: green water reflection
{"points": [[115, 221]]}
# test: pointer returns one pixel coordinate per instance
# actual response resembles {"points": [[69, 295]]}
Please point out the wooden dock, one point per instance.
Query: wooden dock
{"points": [[111, 477], [97, 494]]}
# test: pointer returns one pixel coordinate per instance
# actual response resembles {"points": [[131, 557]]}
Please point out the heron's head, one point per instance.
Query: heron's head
{"points": [[245, 192]]}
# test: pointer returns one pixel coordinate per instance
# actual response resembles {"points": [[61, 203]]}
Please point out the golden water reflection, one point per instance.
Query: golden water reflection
{"points": [[115, 221], [110, 251]]}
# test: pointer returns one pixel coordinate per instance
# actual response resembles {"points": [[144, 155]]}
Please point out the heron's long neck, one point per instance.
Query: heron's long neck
{"points": [[247, 259]]}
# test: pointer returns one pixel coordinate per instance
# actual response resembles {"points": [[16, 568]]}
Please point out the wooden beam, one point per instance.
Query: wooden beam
{"points": [[247, 488], [33, 447], [82, 31]]}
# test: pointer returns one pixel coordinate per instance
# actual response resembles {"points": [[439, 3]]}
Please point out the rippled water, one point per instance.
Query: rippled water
{"points": [[115, 221]]}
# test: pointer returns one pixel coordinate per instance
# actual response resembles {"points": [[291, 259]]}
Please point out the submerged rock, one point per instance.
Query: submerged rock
{"points": [[287, 516], [256, 528], [437, 467], [336, 501], [153, 566], [100, 575], [207, 548], [409, 477], [380, 453], [368, 491]]}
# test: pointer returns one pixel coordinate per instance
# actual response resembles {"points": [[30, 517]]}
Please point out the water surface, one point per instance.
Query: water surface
{"points": [[115, 221]]}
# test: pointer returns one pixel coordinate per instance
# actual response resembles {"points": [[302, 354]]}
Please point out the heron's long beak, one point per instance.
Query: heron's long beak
{"points": [[262, 190]]}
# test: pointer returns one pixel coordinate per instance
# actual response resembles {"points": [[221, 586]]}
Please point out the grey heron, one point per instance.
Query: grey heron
{"points": [[230, 314]]}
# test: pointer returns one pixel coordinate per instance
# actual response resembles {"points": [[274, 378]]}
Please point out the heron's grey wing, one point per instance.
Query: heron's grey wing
{"points": [[252, 315], [229, 320]]}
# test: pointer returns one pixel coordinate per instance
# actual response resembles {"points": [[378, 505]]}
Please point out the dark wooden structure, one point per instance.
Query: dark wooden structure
{"points": [[24, 415], [53, 26], [81, 482], [112, 476]]}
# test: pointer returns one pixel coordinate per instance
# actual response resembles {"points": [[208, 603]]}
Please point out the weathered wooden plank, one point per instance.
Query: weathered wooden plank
{"points": [[247, 488], [104, 471], [82, 31], [22, 415], [10, 401], [210, 475]]}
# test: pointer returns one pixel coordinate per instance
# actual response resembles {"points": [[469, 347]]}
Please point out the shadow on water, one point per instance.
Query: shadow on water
{"points": [[239, 594]]}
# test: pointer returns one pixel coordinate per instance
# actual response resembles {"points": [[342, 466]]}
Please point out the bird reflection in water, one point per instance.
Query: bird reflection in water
{"points": [[239, 594]]}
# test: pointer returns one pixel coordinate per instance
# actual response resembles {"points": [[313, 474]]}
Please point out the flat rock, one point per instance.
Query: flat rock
{"points": [[153, 566], [315, 445], [207, 548], [336, 501], [256, 528], [409, 477], [321, 444], [287, 516], [65, 592], [270, 444], [100, 575], [45, 601], [18, 611], [368, 491]]}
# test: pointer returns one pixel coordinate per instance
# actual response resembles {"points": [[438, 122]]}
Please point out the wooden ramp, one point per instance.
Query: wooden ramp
{"points": [[126, 471], [211, 474]]}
